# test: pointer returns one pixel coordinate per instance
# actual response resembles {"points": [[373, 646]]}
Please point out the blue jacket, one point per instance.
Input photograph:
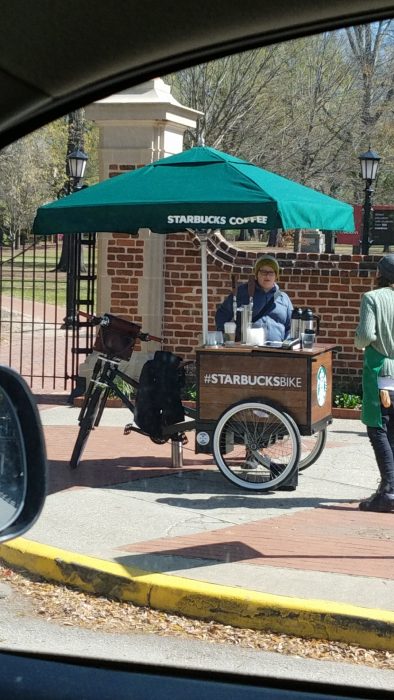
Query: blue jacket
{"points": [[276, 323]]}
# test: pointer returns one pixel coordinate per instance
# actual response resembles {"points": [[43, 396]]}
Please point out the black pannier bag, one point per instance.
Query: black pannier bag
{"points": [[158, 401]]}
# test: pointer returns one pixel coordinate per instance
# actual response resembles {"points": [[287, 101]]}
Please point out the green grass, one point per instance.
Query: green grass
{"points": [[40, 258], [40, 293], [45, 285]]}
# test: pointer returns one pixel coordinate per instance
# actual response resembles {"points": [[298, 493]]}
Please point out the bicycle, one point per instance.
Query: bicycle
{"points": [[115, 342]]}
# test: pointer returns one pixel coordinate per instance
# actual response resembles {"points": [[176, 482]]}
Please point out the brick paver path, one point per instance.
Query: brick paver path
{"points": [[38, 356], [337, 539], [111, 458]]}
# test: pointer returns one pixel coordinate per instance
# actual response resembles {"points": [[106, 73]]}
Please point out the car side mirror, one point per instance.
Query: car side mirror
{"points": [[23, 464]]}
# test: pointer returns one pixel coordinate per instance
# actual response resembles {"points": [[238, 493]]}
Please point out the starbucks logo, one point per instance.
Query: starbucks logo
{"points": [[321, 388]]}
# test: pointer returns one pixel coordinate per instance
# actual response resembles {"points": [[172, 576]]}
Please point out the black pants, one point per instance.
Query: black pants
{"points": [[382, 441]]}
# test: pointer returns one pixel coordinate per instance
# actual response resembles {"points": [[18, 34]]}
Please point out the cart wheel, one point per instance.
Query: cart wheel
{"points": [[256, 446], [311, 448]]}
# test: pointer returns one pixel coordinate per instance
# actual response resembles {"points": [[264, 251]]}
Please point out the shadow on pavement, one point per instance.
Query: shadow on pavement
{"points": [[229, 552], [103, 473], [246, 500], [166, 560], [189, 481], [54, 399], [349, 432]]}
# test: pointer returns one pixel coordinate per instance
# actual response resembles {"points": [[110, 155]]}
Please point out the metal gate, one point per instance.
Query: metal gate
{"points": [[44, 282]]}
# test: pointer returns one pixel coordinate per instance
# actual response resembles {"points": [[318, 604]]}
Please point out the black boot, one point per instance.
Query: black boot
{"points": [[380, 502]]}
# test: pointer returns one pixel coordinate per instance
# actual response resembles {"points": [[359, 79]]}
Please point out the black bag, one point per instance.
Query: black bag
{"points": [[158, 401]]}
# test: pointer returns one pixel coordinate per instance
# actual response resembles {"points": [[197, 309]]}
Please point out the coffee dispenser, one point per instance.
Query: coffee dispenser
{"points": [[246, 322], [307, 321], [295, 328]]}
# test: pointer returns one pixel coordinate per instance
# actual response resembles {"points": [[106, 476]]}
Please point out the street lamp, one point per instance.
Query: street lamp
{"points": [[369, 163], [76, 167]]}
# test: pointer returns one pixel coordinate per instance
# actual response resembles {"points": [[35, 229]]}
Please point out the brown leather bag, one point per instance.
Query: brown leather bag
{"points": [[118, 338]]}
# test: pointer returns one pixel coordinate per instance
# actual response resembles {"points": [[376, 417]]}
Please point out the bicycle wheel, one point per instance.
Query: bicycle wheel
{"points": [[86, 426], [91, 388], [256, 446], [311, 448]]}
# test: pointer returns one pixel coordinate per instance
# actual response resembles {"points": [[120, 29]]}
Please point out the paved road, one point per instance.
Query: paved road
{"points": [[19, 630]]}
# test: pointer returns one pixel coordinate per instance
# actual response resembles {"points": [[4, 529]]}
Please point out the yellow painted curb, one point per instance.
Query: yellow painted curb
{"points": [[321, 619]]}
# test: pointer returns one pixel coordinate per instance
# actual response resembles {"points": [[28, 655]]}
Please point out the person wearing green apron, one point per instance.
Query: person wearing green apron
{"points": [[375, 334]]}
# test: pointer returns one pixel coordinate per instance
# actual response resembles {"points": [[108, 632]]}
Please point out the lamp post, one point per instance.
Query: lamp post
{"points": [[76, 162], [369, 163]]}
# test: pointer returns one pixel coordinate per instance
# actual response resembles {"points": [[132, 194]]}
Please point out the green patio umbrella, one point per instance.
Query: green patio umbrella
{"points": [[200, 189]]}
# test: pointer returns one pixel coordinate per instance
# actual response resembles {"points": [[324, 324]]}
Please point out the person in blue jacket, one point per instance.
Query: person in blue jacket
{"points": [[271, 307]]}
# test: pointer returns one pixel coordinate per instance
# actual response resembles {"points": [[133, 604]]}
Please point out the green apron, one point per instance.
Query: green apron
{"points": [[371, 413]]}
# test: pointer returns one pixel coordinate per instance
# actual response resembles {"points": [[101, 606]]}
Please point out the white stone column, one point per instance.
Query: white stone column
{"points": [[136, 127]]}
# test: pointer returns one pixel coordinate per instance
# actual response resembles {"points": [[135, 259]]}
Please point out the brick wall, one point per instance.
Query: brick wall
{"points": [[331, 285], [124, 267]]}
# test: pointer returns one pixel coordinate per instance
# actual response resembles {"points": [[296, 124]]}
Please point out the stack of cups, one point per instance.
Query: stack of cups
{"points": [[229, 333], [214, 338]]}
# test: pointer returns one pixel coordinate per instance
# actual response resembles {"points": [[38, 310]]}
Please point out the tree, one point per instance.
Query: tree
{"points": [[371, 53], [308, 110], [302, 108], [226, 91], [371, 60], [33, 172], [77, 132], [29, 175], [75, 141]]}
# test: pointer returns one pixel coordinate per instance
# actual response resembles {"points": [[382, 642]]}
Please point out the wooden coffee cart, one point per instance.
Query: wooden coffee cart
{"points": [[254, 403]]}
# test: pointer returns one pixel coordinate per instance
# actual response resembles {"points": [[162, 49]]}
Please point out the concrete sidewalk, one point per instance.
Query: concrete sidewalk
{"points": [[185, 540]]}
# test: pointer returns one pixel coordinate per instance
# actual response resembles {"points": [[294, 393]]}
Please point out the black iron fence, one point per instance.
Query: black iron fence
{"points": [[41, 291]]}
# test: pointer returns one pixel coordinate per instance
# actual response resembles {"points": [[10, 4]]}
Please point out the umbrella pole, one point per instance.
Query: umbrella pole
{"points": [[203, 236]]}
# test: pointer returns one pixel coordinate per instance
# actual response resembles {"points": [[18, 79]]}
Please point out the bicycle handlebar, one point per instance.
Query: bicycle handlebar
{"points": [[95, 320], [146, 337], [104, 321]]}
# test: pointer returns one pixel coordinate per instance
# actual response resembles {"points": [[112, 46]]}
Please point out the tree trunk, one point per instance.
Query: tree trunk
{"points": [[75, 141]]}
